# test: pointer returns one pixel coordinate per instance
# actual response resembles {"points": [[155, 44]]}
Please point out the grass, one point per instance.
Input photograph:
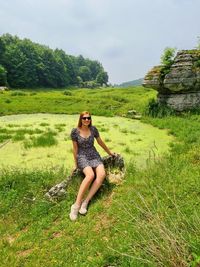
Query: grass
{"points": [[151, 219], [108, 101], [45, 140]]}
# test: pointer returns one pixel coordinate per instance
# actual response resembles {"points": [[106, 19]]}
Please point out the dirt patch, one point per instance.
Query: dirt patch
{"points": [[24, 253]]}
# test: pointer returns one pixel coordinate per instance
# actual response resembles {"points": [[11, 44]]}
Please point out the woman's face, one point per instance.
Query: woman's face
{"points": [[86, 119]]}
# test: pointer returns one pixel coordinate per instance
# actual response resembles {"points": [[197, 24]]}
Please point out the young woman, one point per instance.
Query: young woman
{"points": [[88, 160]]}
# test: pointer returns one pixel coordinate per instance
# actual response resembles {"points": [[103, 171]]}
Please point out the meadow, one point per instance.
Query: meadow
{"points": [[151, 219]]}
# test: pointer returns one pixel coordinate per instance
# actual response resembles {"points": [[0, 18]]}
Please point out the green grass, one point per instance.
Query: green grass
{"points": [[151, 219], [108, 101]]}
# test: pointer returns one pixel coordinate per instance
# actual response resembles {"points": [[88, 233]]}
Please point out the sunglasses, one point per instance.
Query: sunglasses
{"points": [[86, 118]]}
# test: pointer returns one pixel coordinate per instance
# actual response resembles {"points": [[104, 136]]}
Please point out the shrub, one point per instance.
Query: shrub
{"points": [[91, 84], [167, 57], [156, 109], [18, 93], [67, 92]]}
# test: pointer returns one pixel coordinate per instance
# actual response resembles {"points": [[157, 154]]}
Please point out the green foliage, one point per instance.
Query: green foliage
{"points": [[18, 93], [90, 84], [44, 140], [84, 73], [168, 56], [104, 101], [156, 109], [67, 92], [102, 78], [30, 65], [151, 219], [197, 63], [167, 60], [3, 76]]}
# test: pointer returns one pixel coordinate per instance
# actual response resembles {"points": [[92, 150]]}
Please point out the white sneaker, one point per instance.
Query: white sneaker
{"points": [[83, 209], [74, 212]]}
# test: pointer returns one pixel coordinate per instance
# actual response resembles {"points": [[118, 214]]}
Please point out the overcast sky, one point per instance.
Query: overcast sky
{"points": [[126, 36]]}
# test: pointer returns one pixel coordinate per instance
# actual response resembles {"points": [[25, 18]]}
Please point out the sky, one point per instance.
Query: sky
{"points": [[127, 37]]}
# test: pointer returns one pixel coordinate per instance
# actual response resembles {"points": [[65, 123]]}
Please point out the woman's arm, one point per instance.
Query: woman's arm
{"points": [[103, 145], [75, 152]]}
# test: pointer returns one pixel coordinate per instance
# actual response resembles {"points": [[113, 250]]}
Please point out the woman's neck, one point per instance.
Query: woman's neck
{"points": [[84, 127]]}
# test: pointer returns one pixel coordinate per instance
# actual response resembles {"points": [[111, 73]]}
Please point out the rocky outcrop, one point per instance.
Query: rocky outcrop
{"points": [[179, 84]]}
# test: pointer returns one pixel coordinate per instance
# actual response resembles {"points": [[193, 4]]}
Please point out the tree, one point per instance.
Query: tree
{"points": [[102, 78], [84, 73], [30, 64], [168, 56], [3, 76]]}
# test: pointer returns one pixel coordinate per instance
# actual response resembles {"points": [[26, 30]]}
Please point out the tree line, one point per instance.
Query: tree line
{"points": [[25, 64]]}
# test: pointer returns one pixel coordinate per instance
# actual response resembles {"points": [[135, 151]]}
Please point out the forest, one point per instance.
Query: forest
{"points": [[25, 64]]}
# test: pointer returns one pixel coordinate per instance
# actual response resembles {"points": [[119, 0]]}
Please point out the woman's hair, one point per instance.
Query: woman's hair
{"points": [[81, 116]]}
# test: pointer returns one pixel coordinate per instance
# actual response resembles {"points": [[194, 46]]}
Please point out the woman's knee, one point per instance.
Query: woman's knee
{"points": [[101, 173], [90, 176], [89, 173]]}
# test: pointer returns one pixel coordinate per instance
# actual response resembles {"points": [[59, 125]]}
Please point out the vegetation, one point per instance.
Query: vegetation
{"points": [[27, 64], [104, 101], [167, 60], [151, 219]]}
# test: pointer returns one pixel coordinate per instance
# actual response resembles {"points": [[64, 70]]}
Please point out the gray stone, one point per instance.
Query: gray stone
{"points": [[179, 85], [181, 102]]}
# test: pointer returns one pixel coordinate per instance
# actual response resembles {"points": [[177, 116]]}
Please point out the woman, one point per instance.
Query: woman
{"points": [[88, 160]]}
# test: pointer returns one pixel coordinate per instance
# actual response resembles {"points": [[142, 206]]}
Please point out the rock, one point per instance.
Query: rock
{"points": [[178, 85], [182, 101], [115, 172], [133, 114], [153, 79], [3, 88]]}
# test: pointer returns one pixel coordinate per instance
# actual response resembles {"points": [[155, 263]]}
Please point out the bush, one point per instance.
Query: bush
{"points": [[91, 84], [67, 92], [167, 57], [18, 93], [156, 109]]}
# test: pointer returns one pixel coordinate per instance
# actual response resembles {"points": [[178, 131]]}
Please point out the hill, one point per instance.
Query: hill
{"points": [[131, 83]]}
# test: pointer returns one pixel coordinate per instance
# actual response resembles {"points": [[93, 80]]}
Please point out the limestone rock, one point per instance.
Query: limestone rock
{"points": [[179, 84]]}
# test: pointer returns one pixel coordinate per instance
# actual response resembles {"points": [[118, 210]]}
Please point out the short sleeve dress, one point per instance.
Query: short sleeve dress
{"points": [[87, 153]]}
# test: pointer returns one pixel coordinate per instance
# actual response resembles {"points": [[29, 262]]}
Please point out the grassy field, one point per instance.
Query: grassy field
{"points": [[105, 102], [151, 219]]}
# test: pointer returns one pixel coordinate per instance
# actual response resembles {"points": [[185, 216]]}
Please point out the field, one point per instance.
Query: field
{"points": [[151, 219]]}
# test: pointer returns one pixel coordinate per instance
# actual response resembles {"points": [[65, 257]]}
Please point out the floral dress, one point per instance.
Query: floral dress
{"points": [[87, 153]]}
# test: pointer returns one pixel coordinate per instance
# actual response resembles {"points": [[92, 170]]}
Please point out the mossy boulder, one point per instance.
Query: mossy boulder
{"points": [[178, 84]]}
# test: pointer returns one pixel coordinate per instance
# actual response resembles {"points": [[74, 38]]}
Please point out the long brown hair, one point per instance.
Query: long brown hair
{"points": [[81, 116]]}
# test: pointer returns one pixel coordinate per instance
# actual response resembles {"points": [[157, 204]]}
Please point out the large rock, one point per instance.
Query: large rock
{"points": [[179, 84], [115, 170]]}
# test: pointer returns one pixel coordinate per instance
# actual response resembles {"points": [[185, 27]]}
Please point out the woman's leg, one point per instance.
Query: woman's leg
{"points": [[100, 176], [89, 177]]}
